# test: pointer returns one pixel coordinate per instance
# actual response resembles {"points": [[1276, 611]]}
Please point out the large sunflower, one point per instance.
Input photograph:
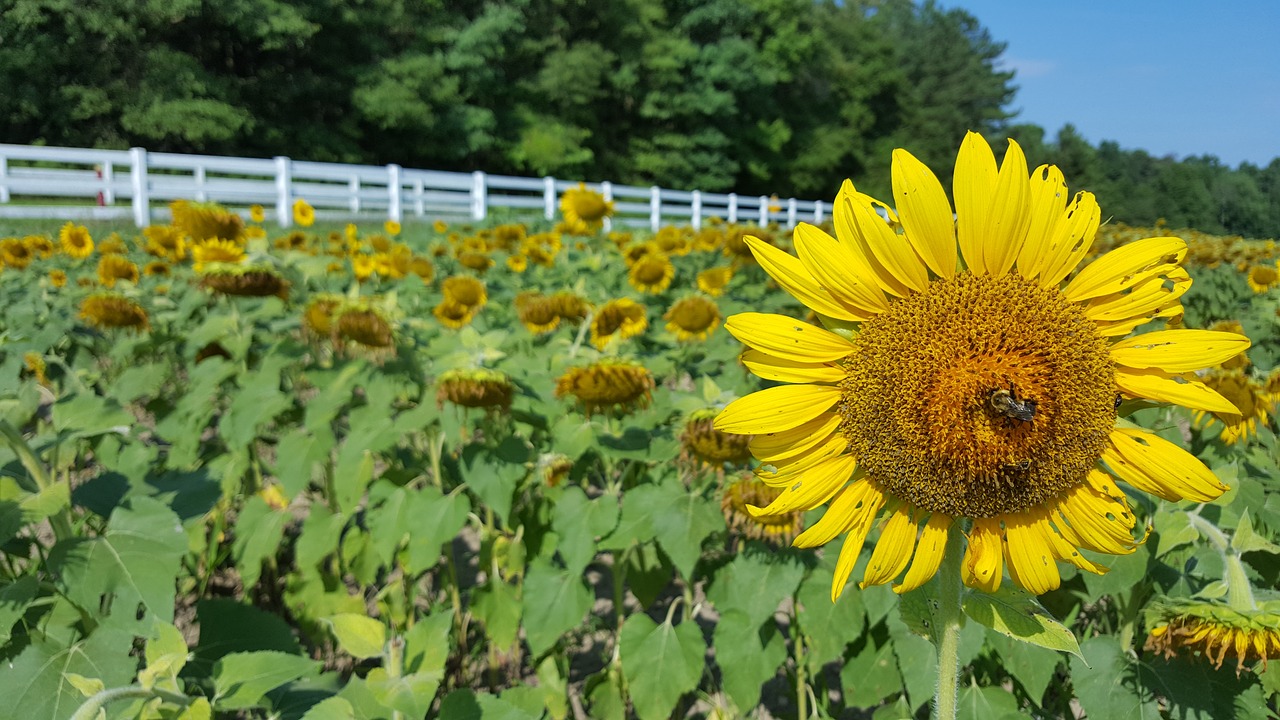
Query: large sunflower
{"points": [[961, 386]]}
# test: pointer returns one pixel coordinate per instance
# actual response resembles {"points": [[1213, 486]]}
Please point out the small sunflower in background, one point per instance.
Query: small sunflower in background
{"points": [[112, 311], [652, 273], [39, 245], [206, 221], [317, 316], [963, 389], [165, 241], [364, 329], [391, 227], [156, 268], [1262, 278], [584, 210], [714, 280], [537, 312], [1250, 398], [478, 388], [701, 441], [216, 251], [113, 245], [464, 290], [252, 281], [452, 314], [1215, 631], [76, 241], [303, 214], [622, 318], [15, 254], [692, 319], [112, 268], [736, 502], [613, 386], [257, 213], [58, 278]]}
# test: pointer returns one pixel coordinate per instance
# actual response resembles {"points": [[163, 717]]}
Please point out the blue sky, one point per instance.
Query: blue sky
{"points": [[1172, 78]]}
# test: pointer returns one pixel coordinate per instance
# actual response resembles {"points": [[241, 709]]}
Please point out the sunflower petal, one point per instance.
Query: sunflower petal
{"points": [[771, 367], [1048, 199], [791, 275], [853, 542], [1094, 521], [1072, 237], [897, 267], [992, 220], [776, 408], [1142, 300], [858, 502], [839, 269], [929, 551], [1155, 465], [788, 338], [925, 213], [813, 487], [983, 557], [1126, 266], [786, 471], [1178, 351], [1031, 560], [1162, 387], [974, 187], [787, 443], [893, 549]]}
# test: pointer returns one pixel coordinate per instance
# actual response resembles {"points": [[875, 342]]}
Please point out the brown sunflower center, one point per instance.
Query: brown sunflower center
{"points": [[980, 396], [694, 314], [651, 270]]}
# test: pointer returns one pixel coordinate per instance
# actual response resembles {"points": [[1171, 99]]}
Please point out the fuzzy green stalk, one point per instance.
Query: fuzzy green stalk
{"points": [[94, 705], [948, 620], [61, 520], [1239, 590]]}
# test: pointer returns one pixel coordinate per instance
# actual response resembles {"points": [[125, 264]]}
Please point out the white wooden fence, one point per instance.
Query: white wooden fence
{"points": [[45, 182]]}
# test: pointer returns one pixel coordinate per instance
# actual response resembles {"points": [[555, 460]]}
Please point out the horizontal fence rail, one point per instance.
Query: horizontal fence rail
{"points": [[45, 182]]}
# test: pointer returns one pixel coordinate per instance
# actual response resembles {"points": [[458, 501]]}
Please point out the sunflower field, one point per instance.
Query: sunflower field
{"points": [[434, 470]]}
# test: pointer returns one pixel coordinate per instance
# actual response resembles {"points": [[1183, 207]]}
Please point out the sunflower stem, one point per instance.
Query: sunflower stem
{"points": [[1239, 590], [948, 624]]}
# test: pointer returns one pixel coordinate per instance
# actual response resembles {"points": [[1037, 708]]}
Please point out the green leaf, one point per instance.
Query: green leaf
{"points": [[497, 606], [635, 524], [227, 626], [661, 663], [331, 708], [259, 529], [437, 519], [1173, 530], [1033, 667], [828, 627], [390, 523], [165, 654], [37, 680], [579, 522], [748, 654], [257, 402], [351, 476], [870, 676], [648, 573], [241, 679], [1107, 687], [409, 694], [1016, 613], [555, 601], [682, 523], [492, 480], [135, 563], [428, 643], [15, 598], [139, 381], [571, 436], [1127, 572], [554, 688], [297, 456], [987, 703], [606, 698], [756, 584], [88, 415], [1245, 539], [359, 636], [917, 661]]}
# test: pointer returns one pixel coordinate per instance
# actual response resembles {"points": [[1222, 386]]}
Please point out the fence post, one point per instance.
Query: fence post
{"points": [[606, 189], [141, 187], [200, 193], [419, 197], [764, 211], [696, 217], [479, 196], [549, 197], [108, 183], [394, 211], [733, 208], [791, 212], [353, 189], [4, 179], [655, 208], [284, 190], [817, 212]]}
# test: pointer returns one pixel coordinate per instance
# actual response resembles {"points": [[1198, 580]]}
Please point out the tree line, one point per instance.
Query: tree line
{"points": [[758, 96]]}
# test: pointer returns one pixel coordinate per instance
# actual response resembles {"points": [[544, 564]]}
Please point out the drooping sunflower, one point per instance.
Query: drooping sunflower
{"points": [[15, 254], [112, 310], [962, 387], [622, 318], [252, 281], [570, 306], [537, 312], [39, 245], [362, 328], [452, 314], [613, 386], [701, 441], [303, 214], [692, 318], [1262, 278], [113, 245], [652, 273], [713, 280], [114, 267], [464, 290], [166, 241], [216, 251], [317, 317], [747, 492], [478, 388], [76, 241], [207, 221], [1216, 631]]}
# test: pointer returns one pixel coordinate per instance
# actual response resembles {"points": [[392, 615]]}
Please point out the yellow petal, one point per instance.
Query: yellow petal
{"points": [[791, 275], [785, 472], [1094, 521], [769, 447], [1155, 465], [1143, 300], [1072, 237], [1009, 214], [788, 338], [1126, 266], [983, 557], [858, 503], [777, 408], [929, 551], [1048, 199], [1031, 559], [1178, 351], [1120, 328], [812, 487], [1160, 386], [1061, 548], [974, 187], [898, 269], [771, 367], [893, 549], [839, 269], [853, 542], [925, 213]]}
